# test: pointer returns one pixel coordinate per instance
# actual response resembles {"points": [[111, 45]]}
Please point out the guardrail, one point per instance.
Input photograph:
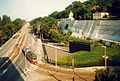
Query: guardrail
{"points": [[56, 47]]}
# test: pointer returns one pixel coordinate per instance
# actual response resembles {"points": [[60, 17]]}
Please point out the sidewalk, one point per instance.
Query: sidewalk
{"points": [[33, 75]]}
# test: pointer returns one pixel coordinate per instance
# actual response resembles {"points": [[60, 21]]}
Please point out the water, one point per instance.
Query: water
{"points": [[99, 29]]}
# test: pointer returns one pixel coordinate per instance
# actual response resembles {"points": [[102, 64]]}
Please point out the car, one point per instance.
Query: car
{"points": [[31, 57], [26, 49]]}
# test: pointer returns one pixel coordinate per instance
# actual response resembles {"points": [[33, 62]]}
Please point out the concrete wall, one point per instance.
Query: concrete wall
{"points": [[51, 51], [96, 29]]}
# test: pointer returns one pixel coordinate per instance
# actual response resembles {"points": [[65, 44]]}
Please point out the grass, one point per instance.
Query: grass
{"points": [[84, 58]]}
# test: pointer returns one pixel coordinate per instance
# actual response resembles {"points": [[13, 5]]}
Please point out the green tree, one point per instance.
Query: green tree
{"points": [[1, 35], [5, 20], [45, 23], [107, 75], [115, 8], [56, 36], [55, 14], [18, 23], [104, 5], [0, 21], [9, 30]]}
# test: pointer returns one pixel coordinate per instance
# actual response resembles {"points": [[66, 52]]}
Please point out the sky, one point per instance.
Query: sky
{"points": [[30, 9]]}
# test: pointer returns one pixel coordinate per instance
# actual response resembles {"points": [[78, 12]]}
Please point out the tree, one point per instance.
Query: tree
{"points": [[46, 23], [18, 23], [0, 21], [115, 8], [104, 5], [55, 14], [56, 36], [9, 30], [107, 75], [5, 20]]}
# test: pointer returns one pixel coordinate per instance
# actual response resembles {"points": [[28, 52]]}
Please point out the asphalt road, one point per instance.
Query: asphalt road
{"points": [[11, 62], [7, 46]]}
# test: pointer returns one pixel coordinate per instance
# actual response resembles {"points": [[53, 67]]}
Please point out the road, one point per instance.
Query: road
{"points": [[15, 68], [8, 60], [49, 72], [4, 49], [64, 74]]}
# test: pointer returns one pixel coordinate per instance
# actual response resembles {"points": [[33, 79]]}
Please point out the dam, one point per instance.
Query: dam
{"points": [[94, 29]]}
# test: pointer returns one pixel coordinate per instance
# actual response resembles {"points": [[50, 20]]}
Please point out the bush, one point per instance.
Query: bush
{"points": [[56, 36], [106, 75], [75, 39]]}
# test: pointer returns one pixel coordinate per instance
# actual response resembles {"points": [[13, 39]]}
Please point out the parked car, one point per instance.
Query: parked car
{"points": [[26, 49], [31, 57]]}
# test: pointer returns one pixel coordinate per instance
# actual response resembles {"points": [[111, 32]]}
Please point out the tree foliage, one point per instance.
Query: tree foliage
{"points": [[84, 10], [80, 10], [107, 75], [56, 36], [45, 23], [18, 23], [8, 27]]}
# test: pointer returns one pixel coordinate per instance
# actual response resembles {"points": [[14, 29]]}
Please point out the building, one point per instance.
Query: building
{"points": [[71, 16], [101, 15]]}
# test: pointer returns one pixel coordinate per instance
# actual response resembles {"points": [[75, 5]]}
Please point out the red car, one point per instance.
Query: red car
{"points": [[31, 57]]}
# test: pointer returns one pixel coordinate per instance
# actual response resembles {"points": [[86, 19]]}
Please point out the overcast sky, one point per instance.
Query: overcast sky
{"points": [[29, 9]]}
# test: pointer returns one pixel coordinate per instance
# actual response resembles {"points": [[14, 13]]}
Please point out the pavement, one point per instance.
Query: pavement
{"points": [[33, 74]]}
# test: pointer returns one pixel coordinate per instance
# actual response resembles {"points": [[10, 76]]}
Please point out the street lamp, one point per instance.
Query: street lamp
{"points": [[55, 56], [105, 56], [73, 66], [25, 65]]}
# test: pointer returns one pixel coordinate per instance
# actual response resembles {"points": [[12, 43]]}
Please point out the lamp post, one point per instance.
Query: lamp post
{"points": [[105, 56], [25, 65], [73, 66], [55, 56]]}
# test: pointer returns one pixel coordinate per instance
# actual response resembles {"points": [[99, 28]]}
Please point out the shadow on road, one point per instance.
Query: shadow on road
{"points": [[81, 77], [50, 74], [45, 56], [8, 71]]}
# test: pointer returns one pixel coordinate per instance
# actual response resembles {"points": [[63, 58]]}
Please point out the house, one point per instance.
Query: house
{"points": [[101, 15]]}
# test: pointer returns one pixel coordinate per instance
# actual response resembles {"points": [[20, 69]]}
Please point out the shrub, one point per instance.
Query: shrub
{"points": [[106, 75], [56, 36]]}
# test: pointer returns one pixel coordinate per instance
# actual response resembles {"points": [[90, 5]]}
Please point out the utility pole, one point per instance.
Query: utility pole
{"points": [[55, 56], [105, 56], [73, 66], [25, 65]]}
